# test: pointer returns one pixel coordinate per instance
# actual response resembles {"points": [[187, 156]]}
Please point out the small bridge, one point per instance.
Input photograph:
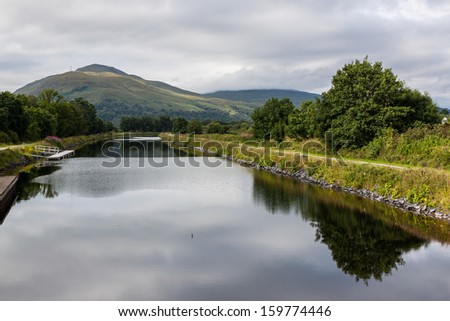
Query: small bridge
{"points": [[53, 153]]}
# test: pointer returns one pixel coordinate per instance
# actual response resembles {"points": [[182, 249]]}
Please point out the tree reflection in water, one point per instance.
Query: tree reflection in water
{"points": [[28, 189], [362, 240]]}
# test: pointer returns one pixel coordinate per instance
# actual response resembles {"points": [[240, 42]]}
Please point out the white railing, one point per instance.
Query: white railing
{"points": [[47, 150]]}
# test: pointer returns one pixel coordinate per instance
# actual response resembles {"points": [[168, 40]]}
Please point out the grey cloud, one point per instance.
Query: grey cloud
{"points": [[276, 78], [212, 45]]}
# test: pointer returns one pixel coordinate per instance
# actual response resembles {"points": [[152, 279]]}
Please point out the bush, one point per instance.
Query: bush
{"points": [[4, 138], [215, 128], [55, 141]]}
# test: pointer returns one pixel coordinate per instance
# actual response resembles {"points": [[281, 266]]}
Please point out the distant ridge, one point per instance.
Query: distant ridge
{"points": [[116, 94], [260, 96]]}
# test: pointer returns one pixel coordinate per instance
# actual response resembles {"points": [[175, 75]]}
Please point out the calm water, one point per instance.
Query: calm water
{"points": [[83, 231]]}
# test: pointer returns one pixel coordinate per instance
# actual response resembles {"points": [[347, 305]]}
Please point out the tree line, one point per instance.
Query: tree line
{"points": [[365, 98], [176, 125], [31, 118]]}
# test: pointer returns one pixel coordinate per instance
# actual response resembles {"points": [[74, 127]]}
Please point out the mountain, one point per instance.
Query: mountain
{"points": [[258, 97], [116, 93]]}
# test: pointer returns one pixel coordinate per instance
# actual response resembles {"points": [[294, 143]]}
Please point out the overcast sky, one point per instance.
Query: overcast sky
{"points": [[207, 45]]}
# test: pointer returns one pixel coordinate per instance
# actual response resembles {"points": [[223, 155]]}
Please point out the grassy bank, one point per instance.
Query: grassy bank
{"points": [[426, 186], [14, 158], [426, 146]]}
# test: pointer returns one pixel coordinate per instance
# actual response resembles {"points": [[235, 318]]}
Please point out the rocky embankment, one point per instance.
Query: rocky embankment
{"points": [[401, 203]]}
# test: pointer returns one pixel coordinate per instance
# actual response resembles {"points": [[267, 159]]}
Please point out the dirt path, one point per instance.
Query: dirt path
{"points": [[14, 146], [344, 160]]}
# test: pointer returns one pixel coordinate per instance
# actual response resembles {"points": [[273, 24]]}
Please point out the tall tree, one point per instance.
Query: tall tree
{"points": [[194, 127], [179, 125], [164, 124], [41, 123], [365, 98], [271, 119], [305, 122], [12, 115], [49, 96], [88, 116]]}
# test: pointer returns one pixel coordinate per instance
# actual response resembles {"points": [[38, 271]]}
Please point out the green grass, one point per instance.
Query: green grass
{"points": [[426, 146], [423, 186], [10, 159]]}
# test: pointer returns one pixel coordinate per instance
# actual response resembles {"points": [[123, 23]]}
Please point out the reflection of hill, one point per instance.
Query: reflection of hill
{"points": [[362, 244]]}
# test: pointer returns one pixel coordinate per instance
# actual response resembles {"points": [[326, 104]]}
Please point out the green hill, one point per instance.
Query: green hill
{"points": [[444, 110], [258, 97], [116, 93]]}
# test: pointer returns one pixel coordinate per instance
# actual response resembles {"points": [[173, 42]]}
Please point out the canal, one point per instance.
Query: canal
{"points": [[119, 222]]}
